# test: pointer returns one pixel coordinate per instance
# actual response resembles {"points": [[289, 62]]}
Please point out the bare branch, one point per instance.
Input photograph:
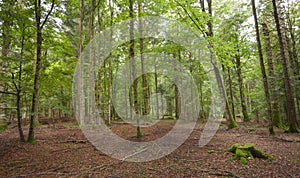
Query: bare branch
{"points": [[47, 16], [8, 93], [13, 81]]}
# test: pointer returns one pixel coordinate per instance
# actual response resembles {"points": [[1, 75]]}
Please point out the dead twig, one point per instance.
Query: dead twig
{"points": [[128, 156]]}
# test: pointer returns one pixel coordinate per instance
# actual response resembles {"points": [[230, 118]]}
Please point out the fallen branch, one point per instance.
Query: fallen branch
{"points": [[286, 140], [128, 156], [73, 141]]}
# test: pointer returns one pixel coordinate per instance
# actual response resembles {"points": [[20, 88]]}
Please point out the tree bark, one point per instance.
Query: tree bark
{"points": [[277, 121], [291, 111]]}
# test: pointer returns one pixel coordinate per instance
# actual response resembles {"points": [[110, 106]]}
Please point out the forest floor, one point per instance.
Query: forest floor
{"points": [[63, 151]]}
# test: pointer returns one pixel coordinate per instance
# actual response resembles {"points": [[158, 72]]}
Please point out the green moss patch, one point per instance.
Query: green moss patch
{"points": [[246, 152]]}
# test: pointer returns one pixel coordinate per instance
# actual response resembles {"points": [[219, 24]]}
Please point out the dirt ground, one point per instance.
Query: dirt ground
{"points": [[63, 151]]}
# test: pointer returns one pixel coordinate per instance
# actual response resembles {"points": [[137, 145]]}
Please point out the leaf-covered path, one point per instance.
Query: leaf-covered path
{"points": [[63, 151]]}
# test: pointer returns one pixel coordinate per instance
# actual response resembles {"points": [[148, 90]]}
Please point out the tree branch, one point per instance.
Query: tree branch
{"points": [[8, 93], [191, 18], [13, 81], [47, 16]]}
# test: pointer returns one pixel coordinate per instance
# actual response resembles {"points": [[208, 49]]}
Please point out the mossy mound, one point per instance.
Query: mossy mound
{"points": [[246, 152]]}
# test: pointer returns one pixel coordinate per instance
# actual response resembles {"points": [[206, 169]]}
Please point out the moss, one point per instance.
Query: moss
{"points": [[232, 125], [37, 123], [243, 160], [232, 148], [138, 133], [31, 141], [246, 152], [210, 151]]}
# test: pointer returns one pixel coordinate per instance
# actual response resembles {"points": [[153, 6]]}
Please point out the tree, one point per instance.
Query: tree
{"points": [[133, 69], [39, 42], [277, 121], [290, 111], [232, 123], [263, 70], [145, 86]]}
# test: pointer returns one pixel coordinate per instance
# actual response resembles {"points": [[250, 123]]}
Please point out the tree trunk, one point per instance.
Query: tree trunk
{"points": [[294, 58], [19, 88], [231, 92], [156, 91], [263, 71], [291, 111], [277, 121], [146, 108], [110, 64], [133, 69], [80, 112], [241, 87], [232, 123], [39, 42]]}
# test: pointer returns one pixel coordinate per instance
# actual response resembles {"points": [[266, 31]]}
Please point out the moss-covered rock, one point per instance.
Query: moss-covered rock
{"points": [[246, 152]]}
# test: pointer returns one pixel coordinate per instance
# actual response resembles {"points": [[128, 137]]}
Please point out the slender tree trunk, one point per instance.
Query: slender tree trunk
{"points": [[231, 92], [79, 50], [110, 64], [33, 114], [294, 58], [277, 121], [291, 111], [19, 88], [39, 42], [176, 91], [146, 108], [241, 87], [133, 68], [232, 123], [156, 91], [263, 70], [92, 53], [101, 74]]}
